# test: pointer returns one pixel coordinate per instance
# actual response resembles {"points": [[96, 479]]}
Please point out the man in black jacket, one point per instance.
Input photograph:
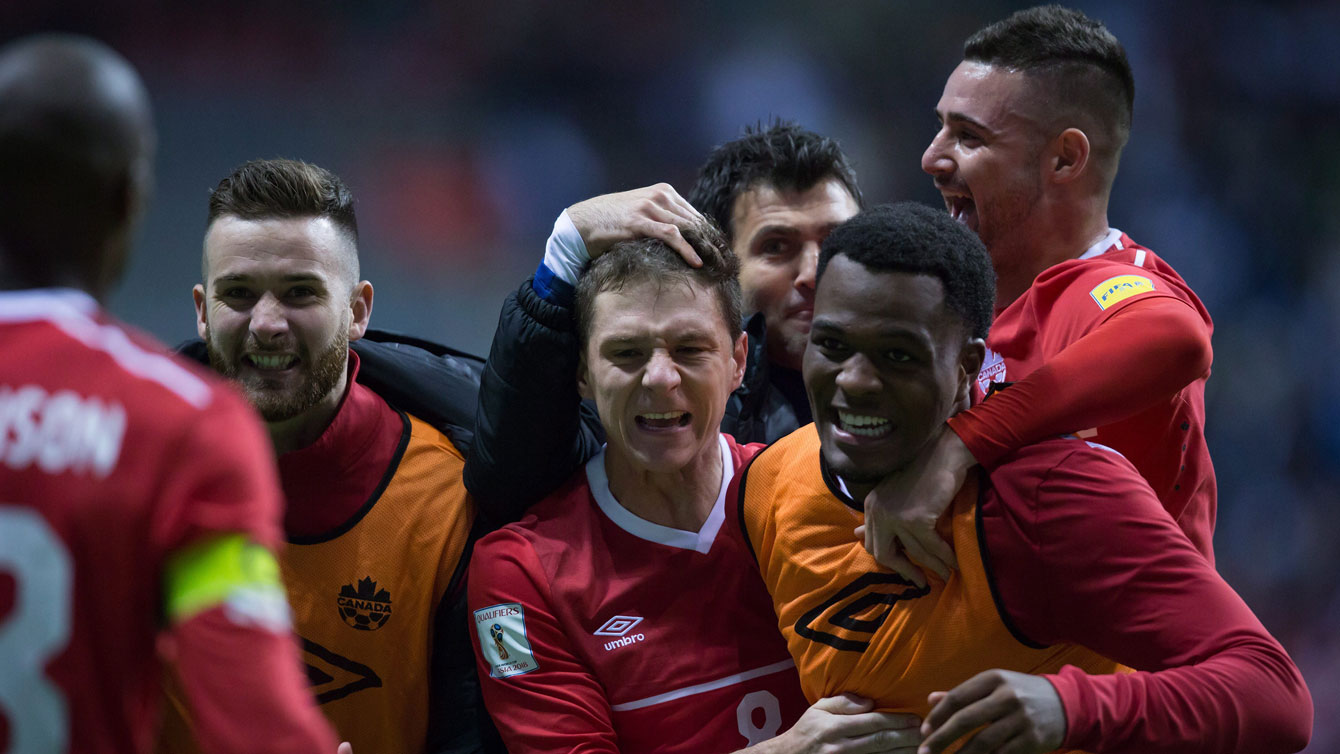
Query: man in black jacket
{"points": [[776, 192]]}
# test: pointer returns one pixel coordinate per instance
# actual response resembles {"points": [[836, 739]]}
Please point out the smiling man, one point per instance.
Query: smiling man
{"points": [[619, 615], [1097, 334], [377, 518], [1068, 562]]}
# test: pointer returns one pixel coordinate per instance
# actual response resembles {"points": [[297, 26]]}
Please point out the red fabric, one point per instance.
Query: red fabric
{"points": [[1131, 376], [329, 481], [1082, 552], [268, 692], [701, 618], [192, 462]]}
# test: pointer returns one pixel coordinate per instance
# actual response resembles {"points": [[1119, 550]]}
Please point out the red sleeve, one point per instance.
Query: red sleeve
{"points": [[1144, 353], [245, 690], [1082, 552], [220, 477], [543, 697]]}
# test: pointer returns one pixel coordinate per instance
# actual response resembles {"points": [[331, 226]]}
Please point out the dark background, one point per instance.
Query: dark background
{"points": [[464, 128]]}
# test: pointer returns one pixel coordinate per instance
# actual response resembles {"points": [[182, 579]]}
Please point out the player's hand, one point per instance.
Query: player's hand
{"points": [[900, 513], [653, 212], [846, 725], [1022, 714], [345, 748]]}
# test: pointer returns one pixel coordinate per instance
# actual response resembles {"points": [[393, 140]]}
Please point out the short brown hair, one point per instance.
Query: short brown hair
{"points": [[279, 188], [649, 259]]}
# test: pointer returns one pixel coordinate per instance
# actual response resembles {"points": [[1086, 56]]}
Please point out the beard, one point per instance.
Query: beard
{"points": [[320, 376]]}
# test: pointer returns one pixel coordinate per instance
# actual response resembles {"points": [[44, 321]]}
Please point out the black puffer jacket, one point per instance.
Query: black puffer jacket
{"points": [[533, 430]]}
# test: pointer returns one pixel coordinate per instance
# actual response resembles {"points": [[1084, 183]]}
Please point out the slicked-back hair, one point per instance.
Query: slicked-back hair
{"points": [[629, 263], [283, 189], [913, 238], [1078, 63], [780, 154]]}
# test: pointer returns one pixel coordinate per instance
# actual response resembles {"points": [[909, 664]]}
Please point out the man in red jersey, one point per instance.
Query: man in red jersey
{"points": [[137, 498], [620, 615], [1097, 334]]}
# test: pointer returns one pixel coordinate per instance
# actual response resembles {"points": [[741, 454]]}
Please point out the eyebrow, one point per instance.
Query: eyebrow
{"points": [[826, 325], [238, 277], [958, 117]]}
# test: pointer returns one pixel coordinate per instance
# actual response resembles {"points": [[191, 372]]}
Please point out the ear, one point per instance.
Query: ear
{"points": [[969, 364], [360, 306], [1069, 155], [201, 326], [740, 355], [584, 378]]}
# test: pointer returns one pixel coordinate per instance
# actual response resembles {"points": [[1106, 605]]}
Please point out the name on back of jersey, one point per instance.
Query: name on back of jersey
{"points": [[59, 432]]}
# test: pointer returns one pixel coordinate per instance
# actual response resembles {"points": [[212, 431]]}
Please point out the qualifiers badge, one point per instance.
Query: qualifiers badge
{"points": [[1120, 288], [502, 640]]}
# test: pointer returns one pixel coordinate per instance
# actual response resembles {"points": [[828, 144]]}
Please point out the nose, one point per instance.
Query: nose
{"points": [[661, 373], [935, 160], [268, 319], [858, 376], [809, 265]]}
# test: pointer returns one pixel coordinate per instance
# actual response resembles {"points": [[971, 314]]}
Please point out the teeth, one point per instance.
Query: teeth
{"points": [[271, 362], [666, 415], [865, 426]]}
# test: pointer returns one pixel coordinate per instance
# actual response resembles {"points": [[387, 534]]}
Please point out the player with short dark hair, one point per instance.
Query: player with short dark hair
{"points": [[1096, 334], [1068, 563], [137, 498], [377, 518], [616, 616]]}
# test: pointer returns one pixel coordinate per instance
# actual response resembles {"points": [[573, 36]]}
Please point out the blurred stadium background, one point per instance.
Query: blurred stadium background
{"points": [[464, 127]]}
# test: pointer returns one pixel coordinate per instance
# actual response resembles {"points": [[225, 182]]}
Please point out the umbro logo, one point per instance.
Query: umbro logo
{"points": [[619, 626], [847, 620]]}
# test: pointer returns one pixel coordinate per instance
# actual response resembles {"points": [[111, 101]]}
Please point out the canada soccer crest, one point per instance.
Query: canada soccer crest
{"points": [[366, 608], [993, 370]]}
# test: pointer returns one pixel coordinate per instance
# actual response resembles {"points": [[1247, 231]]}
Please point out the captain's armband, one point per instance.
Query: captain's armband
{"points": [[229, 571]]}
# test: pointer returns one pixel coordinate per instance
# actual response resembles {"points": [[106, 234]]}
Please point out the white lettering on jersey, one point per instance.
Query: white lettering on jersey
{"points": [[60, 431], [502, 640]]}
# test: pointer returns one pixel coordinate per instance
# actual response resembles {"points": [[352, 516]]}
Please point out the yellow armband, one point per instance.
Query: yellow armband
{"points": [[229, 571]]}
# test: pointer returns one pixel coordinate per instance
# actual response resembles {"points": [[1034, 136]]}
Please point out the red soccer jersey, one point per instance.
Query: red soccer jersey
{"points": [[598, 631], [113, 455], [1164, 439]]}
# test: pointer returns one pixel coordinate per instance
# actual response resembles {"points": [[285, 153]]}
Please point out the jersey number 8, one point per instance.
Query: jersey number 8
{"points": [[37, 629]]}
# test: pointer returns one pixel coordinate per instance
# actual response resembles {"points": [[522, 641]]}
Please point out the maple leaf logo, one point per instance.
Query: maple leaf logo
{"points": [[366, 607]]}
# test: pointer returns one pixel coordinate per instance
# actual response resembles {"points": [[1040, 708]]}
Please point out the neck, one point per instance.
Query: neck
{"points": [[1059, 236], [302, 430], [680, 499]]}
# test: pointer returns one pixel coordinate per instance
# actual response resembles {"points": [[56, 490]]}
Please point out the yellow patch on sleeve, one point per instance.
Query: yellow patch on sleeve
{"points": [[228, 570], [1120, 288]]}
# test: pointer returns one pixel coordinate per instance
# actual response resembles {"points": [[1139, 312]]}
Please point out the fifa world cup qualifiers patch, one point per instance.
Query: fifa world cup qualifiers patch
{"points": [[1120, 288], [502, 640]]}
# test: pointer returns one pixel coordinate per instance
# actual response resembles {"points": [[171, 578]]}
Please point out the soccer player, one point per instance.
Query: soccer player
{"points": [[137, 497], [1068, 561], [776, 191], [377, 519], [618, 616], [1098, 335]]}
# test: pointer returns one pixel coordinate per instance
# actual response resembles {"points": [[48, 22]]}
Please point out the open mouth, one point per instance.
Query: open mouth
{"points": [[863, 425], [962, 209], [663, 421], [266, 362]]}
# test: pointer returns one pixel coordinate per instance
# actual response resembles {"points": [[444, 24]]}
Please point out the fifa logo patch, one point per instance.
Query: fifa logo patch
{"points": [[366, 608], [503, 641], [1119, 288]]}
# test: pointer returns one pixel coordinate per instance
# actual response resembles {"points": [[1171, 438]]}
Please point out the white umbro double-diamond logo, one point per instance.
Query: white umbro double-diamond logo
{"points": [[619, 626]]}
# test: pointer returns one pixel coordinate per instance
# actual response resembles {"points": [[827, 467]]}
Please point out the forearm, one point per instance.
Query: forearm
{"points": [[1141, 355]]}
